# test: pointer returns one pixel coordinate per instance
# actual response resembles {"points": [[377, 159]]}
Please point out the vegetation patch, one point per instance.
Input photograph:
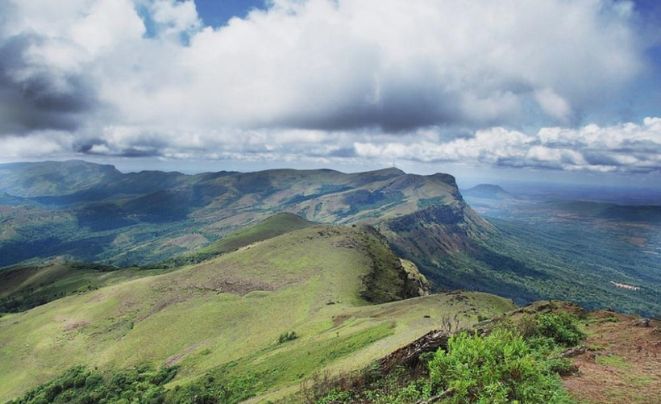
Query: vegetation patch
{"points": [[615, 361], [514, 362], [501, 367], [287, 336], [271, 227], [80, 385]]}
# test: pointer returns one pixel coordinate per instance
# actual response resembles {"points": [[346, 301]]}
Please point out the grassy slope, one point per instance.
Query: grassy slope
{"points": [[231, 308], [24, 287], [272, 226]]}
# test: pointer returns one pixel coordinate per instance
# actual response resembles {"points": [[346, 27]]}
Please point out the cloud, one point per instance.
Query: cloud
{"points": [[36, 95], [628, 147], [319, 79], [324, 64], [38, 145]]}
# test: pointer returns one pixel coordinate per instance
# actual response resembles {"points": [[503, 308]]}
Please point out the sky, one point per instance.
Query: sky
{"points": [[512, 89]]}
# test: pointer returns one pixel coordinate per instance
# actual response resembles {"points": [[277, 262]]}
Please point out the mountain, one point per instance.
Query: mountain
{"points": [[487, 191], [338, 294], [147, 217], [51, 178]]}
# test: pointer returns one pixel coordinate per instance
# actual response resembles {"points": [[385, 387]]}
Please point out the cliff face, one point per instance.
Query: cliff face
{"points": [[435, 236], [450, 228]]}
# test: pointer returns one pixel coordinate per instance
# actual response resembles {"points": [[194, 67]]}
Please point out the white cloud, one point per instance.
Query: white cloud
{"points": [[342, 64], [627, 147], [324, 78], [39, 144]]}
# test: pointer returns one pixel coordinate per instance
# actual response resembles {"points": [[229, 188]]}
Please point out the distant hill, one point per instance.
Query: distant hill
{"points": [[96, 213], [51, 178], [487, 191]]}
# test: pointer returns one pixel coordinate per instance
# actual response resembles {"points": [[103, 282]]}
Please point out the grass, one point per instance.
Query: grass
{"points": [[615, 361], [232, 309], [271, 227]]}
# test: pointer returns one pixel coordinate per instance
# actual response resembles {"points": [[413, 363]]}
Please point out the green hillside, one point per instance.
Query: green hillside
{"points": [[25, 287], [221, 319], [270, 227]]}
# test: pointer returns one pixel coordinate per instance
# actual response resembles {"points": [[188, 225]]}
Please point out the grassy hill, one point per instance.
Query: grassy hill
{"points": [[221, 319], [270, 227], [25, 287]]}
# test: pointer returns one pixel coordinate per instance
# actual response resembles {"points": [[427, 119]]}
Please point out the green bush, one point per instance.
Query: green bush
{"points": [[210, 390], [561, 327], [336, 396], [81, 386], [498, 368], [287, 336]]}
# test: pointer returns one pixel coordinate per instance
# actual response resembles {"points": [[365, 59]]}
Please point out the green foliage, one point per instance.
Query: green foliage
{"points": [[287, 336], [80, 385], [504, 366], [213, 391], [562, 327], [498, 368], [386, 280], [336, 396]]}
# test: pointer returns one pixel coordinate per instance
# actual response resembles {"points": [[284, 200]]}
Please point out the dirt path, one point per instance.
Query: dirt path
{"points": [[622, 363]]}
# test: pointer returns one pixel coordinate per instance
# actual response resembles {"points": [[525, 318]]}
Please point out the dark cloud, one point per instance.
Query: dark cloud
{"points": [[35, 96]]}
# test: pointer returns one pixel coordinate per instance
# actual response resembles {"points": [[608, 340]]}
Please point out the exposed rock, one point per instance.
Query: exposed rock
{"points": [[642, 322], [571, 352], [416, 284]]}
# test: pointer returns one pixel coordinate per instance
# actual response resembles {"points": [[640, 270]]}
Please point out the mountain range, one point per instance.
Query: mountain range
{"points": [[247, 284]]}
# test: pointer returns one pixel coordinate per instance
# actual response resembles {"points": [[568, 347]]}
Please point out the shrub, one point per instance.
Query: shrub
{"points": [[81, 386], [287, 336], [335, 396], [498, 368], [561, 327]]}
